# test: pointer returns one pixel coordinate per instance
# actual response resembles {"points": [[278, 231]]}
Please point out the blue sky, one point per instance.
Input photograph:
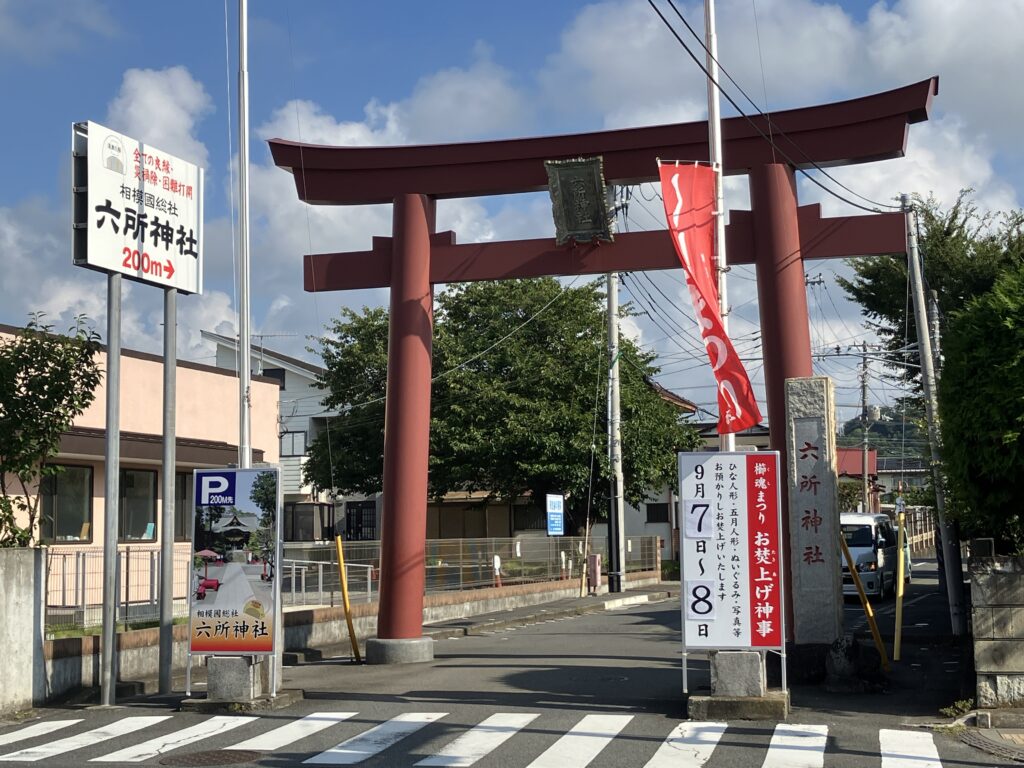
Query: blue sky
{"points": [[371, 73]]}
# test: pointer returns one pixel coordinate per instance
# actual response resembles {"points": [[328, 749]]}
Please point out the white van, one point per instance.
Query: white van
{"points": [[872, 543]]}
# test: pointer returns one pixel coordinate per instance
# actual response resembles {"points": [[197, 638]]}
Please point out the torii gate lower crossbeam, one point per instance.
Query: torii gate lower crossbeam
{"points": [[775, 235]]}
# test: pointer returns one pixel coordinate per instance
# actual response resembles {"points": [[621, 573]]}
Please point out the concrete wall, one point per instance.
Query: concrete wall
{"points": [[21, 629], [997, 612]]}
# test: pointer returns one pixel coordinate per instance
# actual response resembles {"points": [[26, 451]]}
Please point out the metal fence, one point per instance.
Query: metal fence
{"points": [[309, 573], [920, 528], [74, 586]]}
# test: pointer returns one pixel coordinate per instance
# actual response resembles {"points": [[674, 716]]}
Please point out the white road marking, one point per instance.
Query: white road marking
{"points": [[688, 746], [583, 742], [908, 749], [146, 750], [89, 738], [293, 731], [39, 729], [375, 740], [480, 740], [797, 746]]}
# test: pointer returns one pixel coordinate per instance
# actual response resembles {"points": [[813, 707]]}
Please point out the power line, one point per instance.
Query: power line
{"points": [[756, 127]]}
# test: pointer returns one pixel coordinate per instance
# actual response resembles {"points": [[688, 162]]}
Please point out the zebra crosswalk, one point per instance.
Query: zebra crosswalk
{"points": [[357, 740]]}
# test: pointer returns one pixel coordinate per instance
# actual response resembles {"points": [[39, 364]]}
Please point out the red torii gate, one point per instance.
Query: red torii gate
{"points": [[775, 235]]}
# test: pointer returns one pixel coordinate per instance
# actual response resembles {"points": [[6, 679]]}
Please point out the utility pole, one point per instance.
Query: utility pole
{"points": [[950, 542], [865, 490], [617, 566]]}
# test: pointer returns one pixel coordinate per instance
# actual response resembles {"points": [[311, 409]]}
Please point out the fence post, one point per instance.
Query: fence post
{"points": [[118, 566], [154, 568], [80, 573], [320, 581]]}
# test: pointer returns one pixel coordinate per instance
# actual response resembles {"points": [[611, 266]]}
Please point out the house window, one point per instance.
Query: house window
{"points": [[657, 513], [183, 510], [138, 505], [66, 506], [293, 444]]}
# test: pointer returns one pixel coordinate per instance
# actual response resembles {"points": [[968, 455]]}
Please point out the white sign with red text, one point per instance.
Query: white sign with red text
{"points": [[730, 544], [137, 210]]}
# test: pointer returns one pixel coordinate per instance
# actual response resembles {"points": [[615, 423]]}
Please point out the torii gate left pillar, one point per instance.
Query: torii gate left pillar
{"points": [[776, 235]]}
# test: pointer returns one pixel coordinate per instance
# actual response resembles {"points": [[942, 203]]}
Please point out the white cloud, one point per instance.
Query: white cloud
{"points": [[942, 158], [973, 47], [162, 108], [456, 104], [302, 120]]}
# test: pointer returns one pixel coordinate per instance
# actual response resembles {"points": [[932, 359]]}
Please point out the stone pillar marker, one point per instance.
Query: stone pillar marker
{"points": [[816, 577]]}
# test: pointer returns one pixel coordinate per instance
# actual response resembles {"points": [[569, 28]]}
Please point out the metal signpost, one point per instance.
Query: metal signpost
{"points": [[235, 597], [137, 212], [730, 548]]}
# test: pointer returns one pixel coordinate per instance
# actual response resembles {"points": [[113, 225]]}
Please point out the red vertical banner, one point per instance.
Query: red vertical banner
{"points": [[689, 195], [763, 540]]}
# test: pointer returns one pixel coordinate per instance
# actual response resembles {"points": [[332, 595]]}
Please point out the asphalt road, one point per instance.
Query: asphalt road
{"points": [[602, 690]]}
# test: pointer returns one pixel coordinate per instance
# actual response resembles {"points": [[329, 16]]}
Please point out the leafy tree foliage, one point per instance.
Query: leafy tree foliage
{"points": [[518, 400], [982, 407], [964, 252], [47, 380]]}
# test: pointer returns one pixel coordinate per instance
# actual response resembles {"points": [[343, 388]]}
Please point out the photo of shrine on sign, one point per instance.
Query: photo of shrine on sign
{"points": [[730, 550]]}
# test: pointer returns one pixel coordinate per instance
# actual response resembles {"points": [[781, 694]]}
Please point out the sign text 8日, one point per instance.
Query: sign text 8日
{"points": [[148, 266]]}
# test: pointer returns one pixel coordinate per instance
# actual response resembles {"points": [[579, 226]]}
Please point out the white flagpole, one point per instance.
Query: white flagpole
{"points": [[244, 341], [727, 442]]}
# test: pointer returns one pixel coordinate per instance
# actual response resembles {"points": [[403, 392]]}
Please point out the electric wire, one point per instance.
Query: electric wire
{"points": [[767, 116], [758, 128]]}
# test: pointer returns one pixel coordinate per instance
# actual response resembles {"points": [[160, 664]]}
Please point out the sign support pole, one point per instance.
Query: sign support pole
{"points": [[112, 490], [167, 490]]}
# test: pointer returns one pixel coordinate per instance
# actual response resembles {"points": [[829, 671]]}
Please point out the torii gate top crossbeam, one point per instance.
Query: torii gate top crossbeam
{"points": [[856, 131]]}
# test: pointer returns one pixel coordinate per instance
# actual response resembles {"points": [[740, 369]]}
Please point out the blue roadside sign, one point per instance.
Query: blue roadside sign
{"points": [[555, 503]]}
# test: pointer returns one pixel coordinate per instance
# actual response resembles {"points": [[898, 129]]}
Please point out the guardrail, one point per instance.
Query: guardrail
{"points": [[309, 573]]}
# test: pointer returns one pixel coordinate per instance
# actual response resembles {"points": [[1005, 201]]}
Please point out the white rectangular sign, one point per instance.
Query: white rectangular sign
{"points": [[730, 543], [136, 209]]}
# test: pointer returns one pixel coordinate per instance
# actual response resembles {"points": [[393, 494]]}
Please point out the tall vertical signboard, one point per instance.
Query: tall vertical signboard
{"points": [[730, 529], [137, 212], [236, 551]]}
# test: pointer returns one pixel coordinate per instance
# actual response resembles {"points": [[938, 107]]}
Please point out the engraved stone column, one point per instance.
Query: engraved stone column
{"points": [[813, 511]]}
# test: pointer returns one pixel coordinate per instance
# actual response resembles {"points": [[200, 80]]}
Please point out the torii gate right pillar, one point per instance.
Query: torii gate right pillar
{"points": [[782, 297]]}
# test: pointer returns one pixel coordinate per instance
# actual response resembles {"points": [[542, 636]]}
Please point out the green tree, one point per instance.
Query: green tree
{"points": [[982, 408], [518, 400], [964, 252], [47, 380]]}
